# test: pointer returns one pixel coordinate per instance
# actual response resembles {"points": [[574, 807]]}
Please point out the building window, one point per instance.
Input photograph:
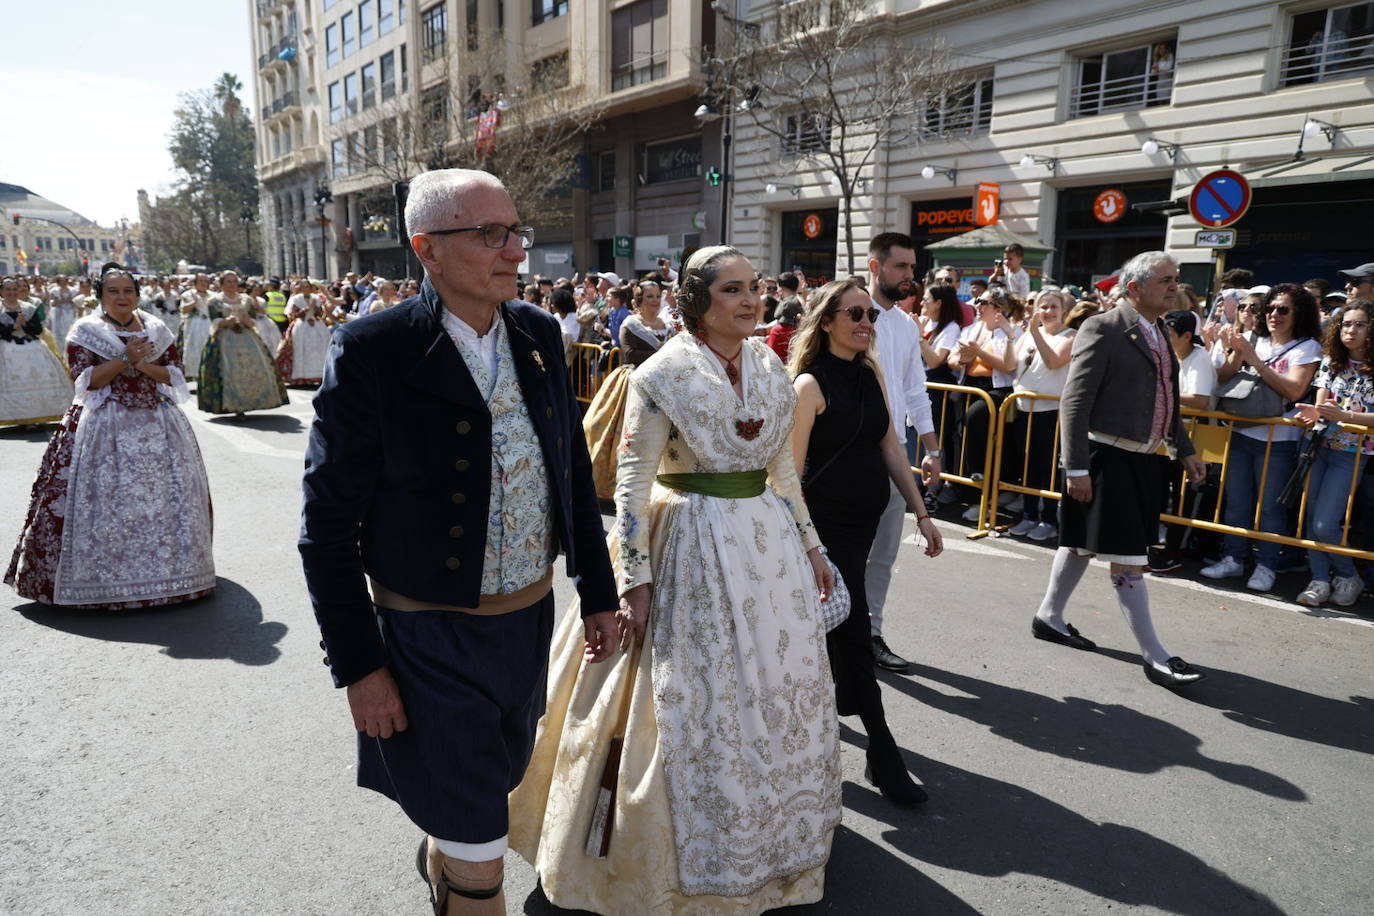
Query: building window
{"points": [[387, 65], [386, 16], [605, 171], [639, 43], [369, 75], [1330, 44], [331, 44], [286, 139], [966, 109], [433, 32], [336, 158], [401, 12], [370, 145], [349, 30], [473, 22], [351, 94], [434, 113], [355, 154], [1138, 77], [550, 72], [366, 23], [548, 9], [672, 160], [390, 141], [405, 69], [805, 133], [335, 102]]}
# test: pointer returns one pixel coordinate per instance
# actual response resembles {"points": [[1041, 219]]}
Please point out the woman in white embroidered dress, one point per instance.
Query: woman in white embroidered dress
{"points": [[34, 386], [61, 309], [120, 512], [306, 343], [196, 323], [237, 373], [729, 788]]}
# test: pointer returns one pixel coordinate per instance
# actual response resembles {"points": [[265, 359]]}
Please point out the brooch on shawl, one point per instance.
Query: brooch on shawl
{"points": [[748, 430]]}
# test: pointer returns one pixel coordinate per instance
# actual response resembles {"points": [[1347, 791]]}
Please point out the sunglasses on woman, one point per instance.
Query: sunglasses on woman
{"points": [[1279, 310], [856, 313]]}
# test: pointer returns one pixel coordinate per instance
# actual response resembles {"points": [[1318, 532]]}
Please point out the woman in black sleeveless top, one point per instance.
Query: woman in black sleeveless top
{"points": [[846, 451]]}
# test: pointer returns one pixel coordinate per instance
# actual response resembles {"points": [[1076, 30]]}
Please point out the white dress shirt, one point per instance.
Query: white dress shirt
{"points": [[904, 371]]}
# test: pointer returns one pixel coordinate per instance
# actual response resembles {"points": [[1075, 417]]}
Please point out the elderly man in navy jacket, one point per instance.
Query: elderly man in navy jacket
{"points": [[445, 471]]}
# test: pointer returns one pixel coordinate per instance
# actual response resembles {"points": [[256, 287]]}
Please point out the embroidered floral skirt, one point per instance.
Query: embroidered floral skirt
{"points": [[729, 789], [300, 359], [237, 374], [602, 424], [34, 384], [120, 513], [191, 339]]}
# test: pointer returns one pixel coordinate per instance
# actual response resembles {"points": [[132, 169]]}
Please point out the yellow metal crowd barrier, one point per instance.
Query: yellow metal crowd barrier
{"points": [[584, 361], [978, 472], [1212, 441]]}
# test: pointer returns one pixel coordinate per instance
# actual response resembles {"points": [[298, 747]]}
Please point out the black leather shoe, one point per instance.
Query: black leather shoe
{"points": [[897, 787], [1180, 673], [884, 657], [1042, 630]]}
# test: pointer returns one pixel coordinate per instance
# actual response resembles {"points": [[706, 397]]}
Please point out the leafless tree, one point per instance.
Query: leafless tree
{"points": [[831, 84], [541, 119]]}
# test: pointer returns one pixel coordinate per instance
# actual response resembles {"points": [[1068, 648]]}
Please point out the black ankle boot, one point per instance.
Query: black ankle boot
{"points": [[888, 773]]}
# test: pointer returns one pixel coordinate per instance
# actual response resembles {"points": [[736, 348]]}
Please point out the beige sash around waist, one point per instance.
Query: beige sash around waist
{"points": [[487, 605]]}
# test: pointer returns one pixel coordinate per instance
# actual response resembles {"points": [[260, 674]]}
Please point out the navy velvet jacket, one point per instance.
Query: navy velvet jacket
{"points": [[398, 472]]}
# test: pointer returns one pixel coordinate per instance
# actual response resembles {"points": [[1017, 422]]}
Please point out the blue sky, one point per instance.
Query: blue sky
{"points": [[90, 88]]}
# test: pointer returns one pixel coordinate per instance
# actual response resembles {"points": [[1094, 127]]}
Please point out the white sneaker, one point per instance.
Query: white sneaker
{"points": [[1316, 593], [1023, 527], [1346, 589], [1261, 580], [945, 495], [1224, 568], [970, 514], [1042, 532]]}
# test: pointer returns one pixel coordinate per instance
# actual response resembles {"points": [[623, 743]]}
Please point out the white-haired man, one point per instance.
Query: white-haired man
{"points": [[1120, 406], [446, 469]]}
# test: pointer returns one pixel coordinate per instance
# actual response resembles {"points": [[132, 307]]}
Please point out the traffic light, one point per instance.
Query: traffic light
{"points": [[16, 219], [714, 177]]}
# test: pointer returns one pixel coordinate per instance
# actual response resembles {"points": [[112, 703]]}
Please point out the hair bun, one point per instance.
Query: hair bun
{"points": [[111, 265]]}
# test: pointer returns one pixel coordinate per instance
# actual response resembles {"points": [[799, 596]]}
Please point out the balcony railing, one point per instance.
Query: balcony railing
{"points": [[1327, 58], [1139, 90], [273, 53]]}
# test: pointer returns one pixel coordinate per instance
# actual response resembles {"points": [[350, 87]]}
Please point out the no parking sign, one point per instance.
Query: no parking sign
{"points": [[1220, 198]]}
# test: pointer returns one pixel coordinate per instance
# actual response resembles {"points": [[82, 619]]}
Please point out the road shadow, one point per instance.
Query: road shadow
{"points": [[984, 826], [1083, 730], [1347, 724], [861, 878], [227, 624], [265, 422], [27, 433]]}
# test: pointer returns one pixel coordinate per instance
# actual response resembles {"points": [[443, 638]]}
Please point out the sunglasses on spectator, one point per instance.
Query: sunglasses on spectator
{"points": [[857, 313], [1279, 310]]}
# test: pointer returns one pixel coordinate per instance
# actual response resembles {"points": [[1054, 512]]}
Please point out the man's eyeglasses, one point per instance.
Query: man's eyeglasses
{"points": [[944, 280], [494, 235], [857, 313]]}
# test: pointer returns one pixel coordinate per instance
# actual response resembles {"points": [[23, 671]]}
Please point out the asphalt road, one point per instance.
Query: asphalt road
{"points": [[197, 759]]}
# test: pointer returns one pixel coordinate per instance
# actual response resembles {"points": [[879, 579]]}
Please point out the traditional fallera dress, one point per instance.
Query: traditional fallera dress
{"points": [[61, 312], [267, 328], [34, 385], [237, 373], [120, 513], [729, 787], [195, 329], [300, 359], [606, 414]]}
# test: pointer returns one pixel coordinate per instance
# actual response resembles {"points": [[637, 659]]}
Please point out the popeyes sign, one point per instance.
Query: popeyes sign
{"points": [[943, 220]]}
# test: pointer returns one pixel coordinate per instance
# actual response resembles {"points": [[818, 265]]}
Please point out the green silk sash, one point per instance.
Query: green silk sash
{"points": [[734, 485]]}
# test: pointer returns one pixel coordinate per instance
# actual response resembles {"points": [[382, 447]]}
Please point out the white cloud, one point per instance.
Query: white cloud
{"points": [[88, 141]]}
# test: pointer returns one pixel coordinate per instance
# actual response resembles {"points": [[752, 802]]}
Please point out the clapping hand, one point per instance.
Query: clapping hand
{"points": [[137, 350]]}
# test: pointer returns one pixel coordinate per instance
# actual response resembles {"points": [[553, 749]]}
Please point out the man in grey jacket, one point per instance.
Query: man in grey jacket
{"points": [[1119, 409]]}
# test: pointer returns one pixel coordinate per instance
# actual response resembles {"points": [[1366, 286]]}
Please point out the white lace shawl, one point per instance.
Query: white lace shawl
{"points": [[100, 337]]}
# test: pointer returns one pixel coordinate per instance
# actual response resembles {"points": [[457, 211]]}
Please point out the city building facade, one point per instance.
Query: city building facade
{"points": [[40, 236], [342, 85], [1078, 114]]}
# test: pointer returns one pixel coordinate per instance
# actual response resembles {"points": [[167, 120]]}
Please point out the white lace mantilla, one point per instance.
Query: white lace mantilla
{"points": [[100, 337]]}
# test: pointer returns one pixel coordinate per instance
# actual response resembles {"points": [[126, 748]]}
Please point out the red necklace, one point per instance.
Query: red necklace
{"points": [[731, 370]]}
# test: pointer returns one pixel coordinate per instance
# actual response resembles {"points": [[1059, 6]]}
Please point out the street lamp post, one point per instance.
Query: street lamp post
{"points": [[323, 196], [246, 217]]}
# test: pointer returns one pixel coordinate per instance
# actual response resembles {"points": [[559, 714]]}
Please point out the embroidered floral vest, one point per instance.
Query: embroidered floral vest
{"points": [[520, 543]]}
